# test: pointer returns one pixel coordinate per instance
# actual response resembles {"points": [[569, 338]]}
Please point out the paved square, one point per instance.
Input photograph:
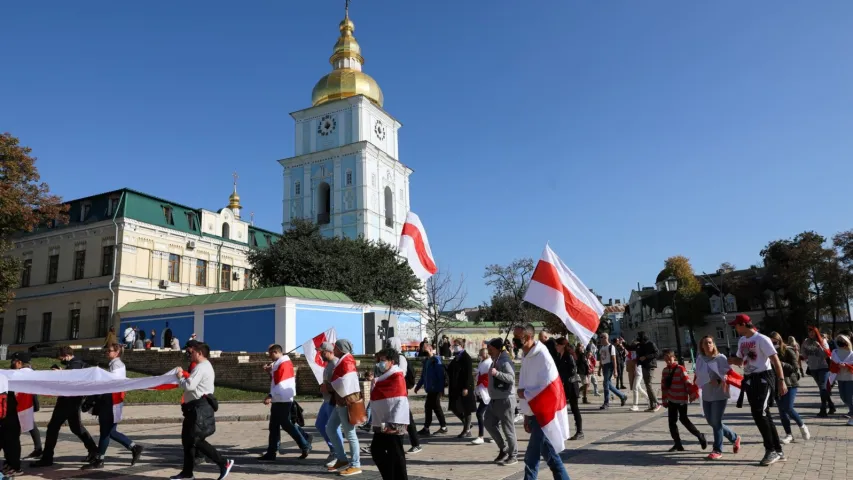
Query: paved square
{"points": [[621, 443]]}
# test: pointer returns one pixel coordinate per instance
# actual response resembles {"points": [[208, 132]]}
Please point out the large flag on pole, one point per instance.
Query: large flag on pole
{"points": [[311, 348], [415, 247], [555, 288]]}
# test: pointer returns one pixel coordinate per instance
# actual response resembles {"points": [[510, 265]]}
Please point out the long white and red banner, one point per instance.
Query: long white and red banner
{"points": [[311, 349], [414, 246], [544, 396], [78, 383], [345, 376], [482, 387], [555, 288], [389, 398]]}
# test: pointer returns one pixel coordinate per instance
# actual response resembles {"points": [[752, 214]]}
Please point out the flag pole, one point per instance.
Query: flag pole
{"points": [[303, 343]]}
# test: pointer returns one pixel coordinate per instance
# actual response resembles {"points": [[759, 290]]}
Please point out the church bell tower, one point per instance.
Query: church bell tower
{"points": [[346, 174]]}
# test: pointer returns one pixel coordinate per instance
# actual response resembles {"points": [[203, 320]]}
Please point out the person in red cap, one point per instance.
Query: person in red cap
{"points": [[758, 357]]}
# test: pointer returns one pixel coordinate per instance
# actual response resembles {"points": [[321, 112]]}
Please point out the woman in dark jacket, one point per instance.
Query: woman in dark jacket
{"points": [[444, 347], [460, 391], [790, 367], [567, 366]]}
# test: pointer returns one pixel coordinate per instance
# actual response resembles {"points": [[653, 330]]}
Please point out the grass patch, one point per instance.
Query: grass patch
{"points": [[173, 397]]}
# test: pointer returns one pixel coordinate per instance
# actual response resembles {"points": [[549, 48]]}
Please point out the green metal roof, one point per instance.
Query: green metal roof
{"points": [[255, 294]]}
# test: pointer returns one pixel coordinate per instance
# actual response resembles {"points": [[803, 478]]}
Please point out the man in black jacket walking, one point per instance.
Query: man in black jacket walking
{"points": [[67, 409], [460, 390], [647, 356]]}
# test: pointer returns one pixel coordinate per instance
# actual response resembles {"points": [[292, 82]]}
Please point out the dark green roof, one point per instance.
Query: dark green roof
{"points": [[152, 209], [258, 293]]}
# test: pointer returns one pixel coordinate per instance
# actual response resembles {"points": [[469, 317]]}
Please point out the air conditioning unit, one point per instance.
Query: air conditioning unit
{"points": [[164, 284], [236, 276], [190, 244]]}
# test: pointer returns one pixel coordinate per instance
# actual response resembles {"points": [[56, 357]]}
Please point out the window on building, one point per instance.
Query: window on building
{"points": [[113, 208], [349, 177], [226, 277], [52, 268], [226, 230], [389, 207], [731, 303], [46, 318], [174, 268], [26, 272], [103, 321], [721, 334], [201, 273], [297, 188], [167, 213], [107, 260], [20, 329], [715, 304], [79, 264], [250, 281], [324, 204], [268, 238], [74, 324], [84, 211], [254, 237], [191, 220]]}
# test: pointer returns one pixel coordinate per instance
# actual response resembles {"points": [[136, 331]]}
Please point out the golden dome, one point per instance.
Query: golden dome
{"points": [[234, 199], [346, 79]]}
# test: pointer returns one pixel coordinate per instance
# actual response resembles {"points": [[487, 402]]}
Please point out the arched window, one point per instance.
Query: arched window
{"points": [[226, 230], [324, 204], [389, 207]]}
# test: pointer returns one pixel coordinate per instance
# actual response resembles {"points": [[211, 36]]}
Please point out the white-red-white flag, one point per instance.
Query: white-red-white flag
{"points": [[282, 380], [555, 288], [389, 398], [345, 376], [311, 348], [415, 247], [544, 397]]}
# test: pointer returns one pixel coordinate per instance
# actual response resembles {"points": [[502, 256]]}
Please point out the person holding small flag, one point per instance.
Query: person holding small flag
{"points": [[390, 402], [712, 372], [282, 391]]}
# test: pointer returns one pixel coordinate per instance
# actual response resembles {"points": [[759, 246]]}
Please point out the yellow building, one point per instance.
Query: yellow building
{"points": [[120, 247]]}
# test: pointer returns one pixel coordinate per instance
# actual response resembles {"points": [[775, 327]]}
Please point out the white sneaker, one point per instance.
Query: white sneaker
{"points": [[635, 408], [850, 422], [478, 441], [787, 439], [331, 461], [518, 418], [804, 430]]}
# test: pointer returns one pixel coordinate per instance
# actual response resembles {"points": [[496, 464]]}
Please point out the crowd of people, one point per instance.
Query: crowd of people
{"points": [[488, 393]]}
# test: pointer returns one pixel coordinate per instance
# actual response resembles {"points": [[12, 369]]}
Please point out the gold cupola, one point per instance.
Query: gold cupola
{"points": [[234, 199], [346, 79]]}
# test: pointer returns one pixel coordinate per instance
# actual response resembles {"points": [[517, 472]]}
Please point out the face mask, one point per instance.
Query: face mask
{"points": [[457, 349], [383, 367]]}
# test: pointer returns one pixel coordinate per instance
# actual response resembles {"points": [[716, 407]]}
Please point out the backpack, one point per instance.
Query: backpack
{"points": [[410, 376]]}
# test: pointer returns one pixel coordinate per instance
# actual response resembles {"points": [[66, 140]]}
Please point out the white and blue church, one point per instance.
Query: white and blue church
{"points": [[347, 177]]}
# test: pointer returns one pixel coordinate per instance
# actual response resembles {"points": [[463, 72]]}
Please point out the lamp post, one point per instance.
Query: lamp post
{"points": [[672, 286], [723, 308]]}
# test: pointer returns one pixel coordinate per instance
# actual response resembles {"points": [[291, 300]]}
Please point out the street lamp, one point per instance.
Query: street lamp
{"points": [[671, 284]]}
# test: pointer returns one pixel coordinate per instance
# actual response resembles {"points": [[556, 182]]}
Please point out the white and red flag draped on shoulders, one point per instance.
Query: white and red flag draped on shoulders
{"points": [[389, 398], [482, 387], [283, 381], [702, 377], [544, 396], [415, 247], [345, 376], [26, 412], [311, 348], [836, 363], [555, 288]]}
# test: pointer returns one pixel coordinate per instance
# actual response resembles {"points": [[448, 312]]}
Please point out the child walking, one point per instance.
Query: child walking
{"points": [[676, 392]]}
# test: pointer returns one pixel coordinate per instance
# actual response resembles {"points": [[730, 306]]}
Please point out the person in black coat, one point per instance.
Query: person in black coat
{"points": [[568, 368], [460, 374]]}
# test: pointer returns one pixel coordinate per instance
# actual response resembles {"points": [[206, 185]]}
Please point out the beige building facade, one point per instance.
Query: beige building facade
{"points": [[121, 247]]}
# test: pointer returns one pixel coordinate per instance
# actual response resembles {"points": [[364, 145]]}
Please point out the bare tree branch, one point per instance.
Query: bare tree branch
{"points": [[443, 298]]}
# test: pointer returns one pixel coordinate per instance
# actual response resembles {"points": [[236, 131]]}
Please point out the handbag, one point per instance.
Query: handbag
{"points": [[356, 411]]}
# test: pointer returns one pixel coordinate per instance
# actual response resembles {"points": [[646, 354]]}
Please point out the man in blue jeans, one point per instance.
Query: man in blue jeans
{"points": [[607, 363], [327, 351]]}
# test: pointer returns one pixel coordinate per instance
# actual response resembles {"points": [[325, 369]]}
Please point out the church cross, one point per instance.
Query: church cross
{"points": [[235, 178]]}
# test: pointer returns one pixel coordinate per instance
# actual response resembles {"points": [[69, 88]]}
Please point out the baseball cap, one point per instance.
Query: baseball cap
{"points": [[741, 319], [327, 347]]}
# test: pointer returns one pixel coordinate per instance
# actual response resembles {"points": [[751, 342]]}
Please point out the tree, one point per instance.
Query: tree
{"points": [[843, 242], [25, 203], [443, 297], [366, 271], [508, 308], [690, 302]]}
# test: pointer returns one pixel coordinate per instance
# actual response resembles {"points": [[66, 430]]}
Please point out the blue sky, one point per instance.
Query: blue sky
{"points": [[621, 132]]}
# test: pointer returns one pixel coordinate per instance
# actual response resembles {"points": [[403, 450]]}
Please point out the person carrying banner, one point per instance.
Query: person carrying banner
{"points": [[346, 389], [390, 401], [282, 391], [199, 407], [755, 353], [109, 415], [67, 409], [542, 401], [19, 418], [26, 413]]}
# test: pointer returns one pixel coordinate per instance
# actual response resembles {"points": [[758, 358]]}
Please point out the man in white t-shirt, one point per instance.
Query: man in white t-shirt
{"points": [[606, 367], [757, 356]]}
